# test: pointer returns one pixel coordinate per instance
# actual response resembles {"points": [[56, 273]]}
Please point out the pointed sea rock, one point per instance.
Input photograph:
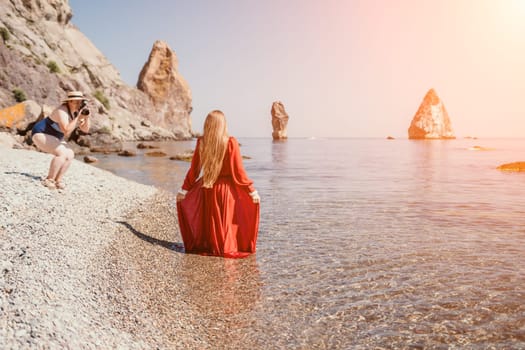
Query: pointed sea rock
{"points": [[279, 121], [431, 120], [167, 89]]}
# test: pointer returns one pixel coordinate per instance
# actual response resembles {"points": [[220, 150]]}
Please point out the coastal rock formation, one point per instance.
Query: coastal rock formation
{"points": [[279, 121], [8, 140], [515, 167], [43, 55], [20, 117], [431, 120], [99, 142], [161, 81]]}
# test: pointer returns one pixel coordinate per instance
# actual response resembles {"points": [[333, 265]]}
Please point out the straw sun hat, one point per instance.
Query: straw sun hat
{"points": [[74, 95]]}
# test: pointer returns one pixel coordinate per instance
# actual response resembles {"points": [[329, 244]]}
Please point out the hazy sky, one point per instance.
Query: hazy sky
{"points": [[342, 68]]}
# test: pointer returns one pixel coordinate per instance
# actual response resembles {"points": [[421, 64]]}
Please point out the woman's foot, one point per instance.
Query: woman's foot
{"points": [[49, 183], [60, 185]]}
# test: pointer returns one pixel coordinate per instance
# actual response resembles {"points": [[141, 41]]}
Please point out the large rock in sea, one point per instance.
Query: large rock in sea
{"points": [[279, 121], [431, 120], [167, 89]]}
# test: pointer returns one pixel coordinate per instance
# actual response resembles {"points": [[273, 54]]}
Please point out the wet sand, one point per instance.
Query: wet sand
{"points": [[191, 301]]}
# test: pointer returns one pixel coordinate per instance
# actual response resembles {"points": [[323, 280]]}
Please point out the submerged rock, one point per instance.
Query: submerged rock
{"points": [[185, 156], [145, 146], [156, 154], [479, 148], [431, 120], [516, 166], [127, 153]]}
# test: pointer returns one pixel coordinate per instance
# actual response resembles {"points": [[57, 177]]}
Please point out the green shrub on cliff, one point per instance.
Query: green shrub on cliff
{"points": [[99, 95], [53, 67], [19, 95], [4, 33]]}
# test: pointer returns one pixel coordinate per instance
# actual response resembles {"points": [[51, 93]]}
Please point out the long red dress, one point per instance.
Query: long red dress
{"points": [[222, 220]]}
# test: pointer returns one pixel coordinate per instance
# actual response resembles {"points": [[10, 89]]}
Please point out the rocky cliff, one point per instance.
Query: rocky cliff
{"points": [[43, 55], [431, 120], [168, 90]]}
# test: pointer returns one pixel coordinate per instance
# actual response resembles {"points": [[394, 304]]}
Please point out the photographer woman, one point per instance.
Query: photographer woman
{"points": [[218, 211], [48, 135]]}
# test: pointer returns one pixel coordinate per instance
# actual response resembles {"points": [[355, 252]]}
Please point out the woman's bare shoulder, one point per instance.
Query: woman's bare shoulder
{"points": [[59, 113]]}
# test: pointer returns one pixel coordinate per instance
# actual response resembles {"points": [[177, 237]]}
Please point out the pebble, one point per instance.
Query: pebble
{"points": [[53, 247], [101, 266]]}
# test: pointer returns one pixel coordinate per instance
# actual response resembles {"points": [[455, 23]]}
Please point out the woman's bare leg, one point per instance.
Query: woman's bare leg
{"points": [[63, 155], [69, 155]]}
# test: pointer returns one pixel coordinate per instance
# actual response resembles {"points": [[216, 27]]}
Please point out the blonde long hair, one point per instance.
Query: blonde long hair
{"points": [[213, 147]]}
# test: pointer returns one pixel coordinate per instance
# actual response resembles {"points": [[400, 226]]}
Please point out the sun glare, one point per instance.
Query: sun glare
{"points": [[515, 9], [519, 5]]}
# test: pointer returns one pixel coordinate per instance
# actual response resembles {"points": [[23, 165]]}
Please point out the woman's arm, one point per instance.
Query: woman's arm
{"points": [[194, 170], [238, 173], [62, 118], [192, 174], [84, 123]]}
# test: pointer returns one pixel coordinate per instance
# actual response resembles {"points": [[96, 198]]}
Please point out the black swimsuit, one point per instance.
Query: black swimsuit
{"points": [[49, 127]]}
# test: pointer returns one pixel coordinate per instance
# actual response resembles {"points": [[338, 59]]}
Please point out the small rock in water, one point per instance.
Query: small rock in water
{"points": [[516, 166], [90, 159], [127, 153], [145, 146], [156, 154], [185, 156]]}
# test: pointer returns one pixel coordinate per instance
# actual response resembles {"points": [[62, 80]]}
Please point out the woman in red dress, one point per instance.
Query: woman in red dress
{"points": [[217, 206]]}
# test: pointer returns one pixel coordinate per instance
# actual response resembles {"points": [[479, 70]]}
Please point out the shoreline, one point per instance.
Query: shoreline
{"points": [[54, 246], [101, 265], [189, 300]]}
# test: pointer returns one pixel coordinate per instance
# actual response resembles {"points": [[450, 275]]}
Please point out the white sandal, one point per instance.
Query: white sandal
{"points": [[49, 183]]}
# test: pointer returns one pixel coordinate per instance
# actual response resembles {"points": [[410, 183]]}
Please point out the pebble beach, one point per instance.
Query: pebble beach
{"points": [[101, 265], [61, 286]]}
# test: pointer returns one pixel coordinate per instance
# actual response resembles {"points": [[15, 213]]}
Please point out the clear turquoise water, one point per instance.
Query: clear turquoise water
{"points": [[373, 243]]}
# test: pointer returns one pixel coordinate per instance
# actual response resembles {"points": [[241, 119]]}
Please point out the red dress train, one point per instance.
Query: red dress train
{"points": [[222, 220]]}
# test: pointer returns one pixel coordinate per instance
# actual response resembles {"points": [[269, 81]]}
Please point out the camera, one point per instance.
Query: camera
{"points": [[83, 104]]}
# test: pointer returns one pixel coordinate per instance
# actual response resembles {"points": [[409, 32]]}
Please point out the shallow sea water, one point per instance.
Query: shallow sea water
{"points": [[369, 244]]}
